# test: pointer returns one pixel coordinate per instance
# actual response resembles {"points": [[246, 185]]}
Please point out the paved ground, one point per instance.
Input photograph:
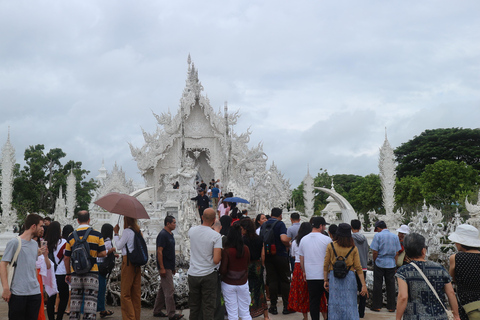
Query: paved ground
{"points": [[147, 314]]}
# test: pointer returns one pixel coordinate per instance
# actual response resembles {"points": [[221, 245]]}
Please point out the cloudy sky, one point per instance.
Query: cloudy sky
{"points": [[316, 81]]}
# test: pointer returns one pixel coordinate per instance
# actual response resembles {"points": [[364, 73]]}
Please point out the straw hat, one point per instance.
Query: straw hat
{"points": [[467, 235]]}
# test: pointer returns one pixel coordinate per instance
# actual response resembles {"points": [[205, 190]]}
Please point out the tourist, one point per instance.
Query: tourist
{"points": [[298, 298], [416, 300], [176, 185], [84, 286], [131, 285], [342, 302], [259, 220], [464, 269], [234, 271], [402, 258], [67, 229], [43, 265], [256, 284], [202, 202], [166, 268], [234, 212], [107, 233], [205, 254], [362, 246], [215, 195], [292, 234], [203, 185], [226, 222], [385, 246], [332, 231], [312, 250], [277, 265], [56, 248], [23, 295]]}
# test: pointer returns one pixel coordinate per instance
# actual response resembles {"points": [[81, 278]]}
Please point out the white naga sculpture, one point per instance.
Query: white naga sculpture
{"points": [[474, 211]]}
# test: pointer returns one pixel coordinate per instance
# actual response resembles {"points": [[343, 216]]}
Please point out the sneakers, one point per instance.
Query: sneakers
{"points": [[176, 317], [273, 310]]}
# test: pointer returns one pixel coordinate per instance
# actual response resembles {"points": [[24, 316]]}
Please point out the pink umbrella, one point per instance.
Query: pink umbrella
{"points": [[123, 204]]}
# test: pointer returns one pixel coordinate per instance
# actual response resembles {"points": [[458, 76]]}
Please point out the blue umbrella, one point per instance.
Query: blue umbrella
{"points": [[236, 199]]}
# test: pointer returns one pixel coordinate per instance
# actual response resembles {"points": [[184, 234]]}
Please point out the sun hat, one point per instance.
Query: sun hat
{"points": [[467, 235], [344, 230], [404, 229]]}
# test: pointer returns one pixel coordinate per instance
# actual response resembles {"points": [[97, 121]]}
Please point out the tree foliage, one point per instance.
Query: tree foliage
{"points": [[37, 185], [366, 195], [454, 144]]}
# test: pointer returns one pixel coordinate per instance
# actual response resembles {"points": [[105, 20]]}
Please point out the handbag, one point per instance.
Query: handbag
{"points": [[400, 258], [13, 264], [449, 313], [472, 310]]}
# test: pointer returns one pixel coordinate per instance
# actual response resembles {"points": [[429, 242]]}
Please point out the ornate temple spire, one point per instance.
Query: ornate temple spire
{"points": [[103, 172], [9, 216], [71, 202], [308, 194], [388, 175]]}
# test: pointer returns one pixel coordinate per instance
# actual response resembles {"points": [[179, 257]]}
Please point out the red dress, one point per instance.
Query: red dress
{"points": [[298, 300]]}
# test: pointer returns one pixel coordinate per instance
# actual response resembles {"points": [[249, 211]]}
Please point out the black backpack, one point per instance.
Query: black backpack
{"points": [[107, 264], [268, 236], [340, 269], [81, 259], [139, 255]]}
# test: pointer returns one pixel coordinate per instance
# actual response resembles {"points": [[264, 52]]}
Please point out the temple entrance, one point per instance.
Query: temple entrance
{"points": [[202, 162]]}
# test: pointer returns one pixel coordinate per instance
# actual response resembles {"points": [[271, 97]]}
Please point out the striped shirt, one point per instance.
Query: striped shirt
{"points": [[95, 241]]}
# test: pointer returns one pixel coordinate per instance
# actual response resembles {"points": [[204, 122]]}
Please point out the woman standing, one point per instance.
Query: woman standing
{"points": [[130, 288], [234, 271], [107, 233], [56, 248], [465, 268], [342, 303], [298, 299], [259, 220], [255, 269], [415, 298]]}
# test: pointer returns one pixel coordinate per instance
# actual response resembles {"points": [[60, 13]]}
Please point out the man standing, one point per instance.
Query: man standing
{"points": [[166, 268], [312, 251], [202, 202], [362, 246], [277, 265], [205, 255], [215, 196], [84, 286], [23, 296], [292, 232], [385, 246]]}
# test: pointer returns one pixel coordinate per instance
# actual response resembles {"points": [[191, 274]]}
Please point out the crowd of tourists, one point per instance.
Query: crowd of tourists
{"points": [[237, 264]]}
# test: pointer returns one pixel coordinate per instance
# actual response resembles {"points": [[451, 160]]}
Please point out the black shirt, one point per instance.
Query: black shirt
{"points": [[166, 240], [202, 201], [255, 246]]}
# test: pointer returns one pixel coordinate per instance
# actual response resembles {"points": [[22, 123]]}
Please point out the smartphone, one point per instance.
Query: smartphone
{"points": [[44, 243]]}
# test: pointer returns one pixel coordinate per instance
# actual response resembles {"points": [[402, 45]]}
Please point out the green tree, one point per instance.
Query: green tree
{"points": [[445, 184], [454, 144], [366, 195], [408, 194], [37, 185]]}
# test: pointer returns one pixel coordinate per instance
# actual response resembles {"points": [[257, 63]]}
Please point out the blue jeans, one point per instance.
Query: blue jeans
{"points": [[102, 290]]}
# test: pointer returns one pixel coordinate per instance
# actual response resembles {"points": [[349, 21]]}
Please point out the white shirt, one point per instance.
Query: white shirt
{"points": [[127, 238], [294, 251], [203, 240], [313, 248]]}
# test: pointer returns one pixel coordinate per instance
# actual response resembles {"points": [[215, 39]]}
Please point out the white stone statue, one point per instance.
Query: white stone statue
{"points": [[9, 215]]}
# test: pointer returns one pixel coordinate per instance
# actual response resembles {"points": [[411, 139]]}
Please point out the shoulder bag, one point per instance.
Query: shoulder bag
{"points": [[13, 264], [449, 313]]}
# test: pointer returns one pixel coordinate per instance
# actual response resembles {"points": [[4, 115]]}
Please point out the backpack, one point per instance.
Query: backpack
{"points": [[268, 236], [81, 259], [340, 269], [52, 257], [107, 264], [139, 255]]}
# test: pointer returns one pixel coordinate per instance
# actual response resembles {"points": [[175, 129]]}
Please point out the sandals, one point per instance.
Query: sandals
{"points": [[105, 313]]}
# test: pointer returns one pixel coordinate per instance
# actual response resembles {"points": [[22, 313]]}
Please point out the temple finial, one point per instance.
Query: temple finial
{"points": [[189, 59]]}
